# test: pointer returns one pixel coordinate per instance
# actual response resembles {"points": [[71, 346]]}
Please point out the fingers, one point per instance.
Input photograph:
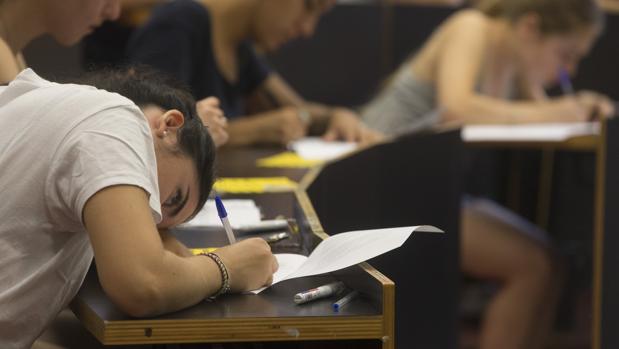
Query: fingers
{"points": [[269, 281], [274, 268], [606, 108], [370, 136], [330, 135], [213, 118], [274, 265], [598, 105], [292, 127], [212, 101]]}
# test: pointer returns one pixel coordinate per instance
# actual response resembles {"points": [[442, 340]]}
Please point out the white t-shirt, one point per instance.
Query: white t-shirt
{"points": [[59, 145]]}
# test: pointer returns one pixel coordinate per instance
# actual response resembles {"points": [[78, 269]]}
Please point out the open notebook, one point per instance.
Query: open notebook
{"points": [[344, 250]]}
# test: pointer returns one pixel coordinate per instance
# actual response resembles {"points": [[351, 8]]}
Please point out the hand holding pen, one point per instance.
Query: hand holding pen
{"points": [[599, 106], [250, 262], [596, 105]]}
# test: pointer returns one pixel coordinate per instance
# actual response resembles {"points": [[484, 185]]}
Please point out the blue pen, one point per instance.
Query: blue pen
{"points": [[565, 82], [337, 306], [223, 215]]}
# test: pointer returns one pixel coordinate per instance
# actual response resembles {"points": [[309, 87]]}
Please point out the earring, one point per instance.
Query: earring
{"points": [[165, 133]]}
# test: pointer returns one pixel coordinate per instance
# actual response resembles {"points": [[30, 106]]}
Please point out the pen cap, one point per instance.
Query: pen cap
{"points": [[221, 210], [564, 76]]}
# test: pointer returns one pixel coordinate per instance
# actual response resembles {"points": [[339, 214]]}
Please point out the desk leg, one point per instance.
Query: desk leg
{"points": [[606, 241]]}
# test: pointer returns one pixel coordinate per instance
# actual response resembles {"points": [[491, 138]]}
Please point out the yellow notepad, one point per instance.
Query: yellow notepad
{"points": [[287, 160], [250, 185]]}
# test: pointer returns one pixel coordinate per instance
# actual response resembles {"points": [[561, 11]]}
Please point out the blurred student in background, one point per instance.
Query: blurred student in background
{"points": [[209, 44], [22, 21], [491, 65]]}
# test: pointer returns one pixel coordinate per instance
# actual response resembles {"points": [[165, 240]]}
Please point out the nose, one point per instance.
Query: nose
{"points": [[112, 10], [308, 27]]}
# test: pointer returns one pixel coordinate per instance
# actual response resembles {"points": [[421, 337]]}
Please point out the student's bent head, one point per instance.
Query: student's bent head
{"points": [[276, 22], [552, 35], [68, 21], [184, 149]]}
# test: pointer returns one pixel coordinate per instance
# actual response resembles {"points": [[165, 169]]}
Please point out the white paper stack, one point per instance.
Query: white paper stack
{"points": [[546, 132], [240, 213]]}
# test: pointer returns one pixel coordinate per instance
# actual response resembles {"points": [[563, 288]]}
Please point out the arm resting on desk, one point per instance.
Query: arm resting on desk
{"points": [[457, 83], [171, 243], [142, 277], [135, 270], [279, 115]]}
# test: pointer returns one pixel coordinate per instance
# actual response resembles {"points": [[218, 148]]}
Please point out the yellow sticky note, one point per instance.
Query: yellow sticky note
{"points": [[287, 160], [197, 251], [250, 185]]}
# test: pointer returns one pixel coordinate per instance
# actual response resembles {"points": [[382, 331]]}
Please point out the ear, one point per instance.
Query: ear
{"points": [[528, 27], [169, 122]]}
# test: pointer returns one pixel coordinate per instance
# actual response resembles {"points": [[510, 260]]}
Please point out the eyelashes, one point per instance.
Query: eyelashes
{"points": [[174, 200]]}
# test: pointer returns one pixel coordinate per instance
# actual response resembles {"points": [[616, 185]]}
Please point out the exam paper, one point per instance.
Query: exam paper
{"points": [[240, 213], [315, 148], [344, 250], [546, 132]]}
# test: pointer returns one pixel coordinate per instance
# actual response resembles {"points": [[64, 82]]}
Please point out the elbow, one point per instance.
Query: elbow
{"points": [[465, 109], [454, 112], [137, 298]]}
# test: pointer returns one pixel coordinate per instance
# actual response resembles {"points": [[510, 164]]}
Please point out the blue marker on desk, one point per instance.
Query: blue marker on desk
{"points": [[565, 82], [345, 300], [223, 215]]}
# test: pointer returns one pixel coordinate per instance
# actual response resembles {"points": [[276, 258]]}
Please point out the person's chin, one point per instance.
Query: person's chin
{"points": [[70, 40], [269, 46]]}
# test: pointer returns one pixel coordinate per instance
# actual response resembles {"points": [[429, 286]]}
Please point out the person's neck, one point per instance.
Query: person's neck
{"points": [[231, 19], [20, 23], [503, 45]]}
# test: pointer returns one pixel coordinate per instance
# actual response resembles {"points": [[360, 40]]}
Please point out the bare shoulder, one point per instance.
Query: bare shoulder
{"points": [[468, 20], [9, 64]]}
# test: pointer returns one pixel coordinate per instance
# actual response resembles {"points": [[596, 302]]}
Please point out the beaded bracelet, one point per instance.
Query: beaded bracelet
{"points": [[225, 278]]}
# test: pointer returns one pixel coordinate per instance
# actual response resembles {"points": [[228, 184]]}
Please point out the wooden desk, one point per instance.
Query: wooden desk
{"points": [[413, 180], [399, 183], [270, 316], [606, 240]]}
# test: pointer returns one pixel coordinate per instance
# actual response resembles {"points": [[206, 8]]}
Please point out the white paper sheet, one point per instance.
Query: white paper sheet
{"points": [[314, 148], [546, 132], [344, 250], [240, 213]]}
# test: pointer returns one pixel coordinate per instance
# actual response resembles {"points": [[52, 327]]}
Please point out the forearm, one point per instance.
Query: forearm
{"points": [[481, 109], [169, 284], [135, 270], [244, 130], [320, 115], [185, 281], [264, 128]]}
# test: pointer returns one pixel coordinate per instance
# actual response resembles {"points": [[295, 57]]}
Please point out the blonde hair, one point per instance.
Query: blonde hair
{"points": [[556, 16]]}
